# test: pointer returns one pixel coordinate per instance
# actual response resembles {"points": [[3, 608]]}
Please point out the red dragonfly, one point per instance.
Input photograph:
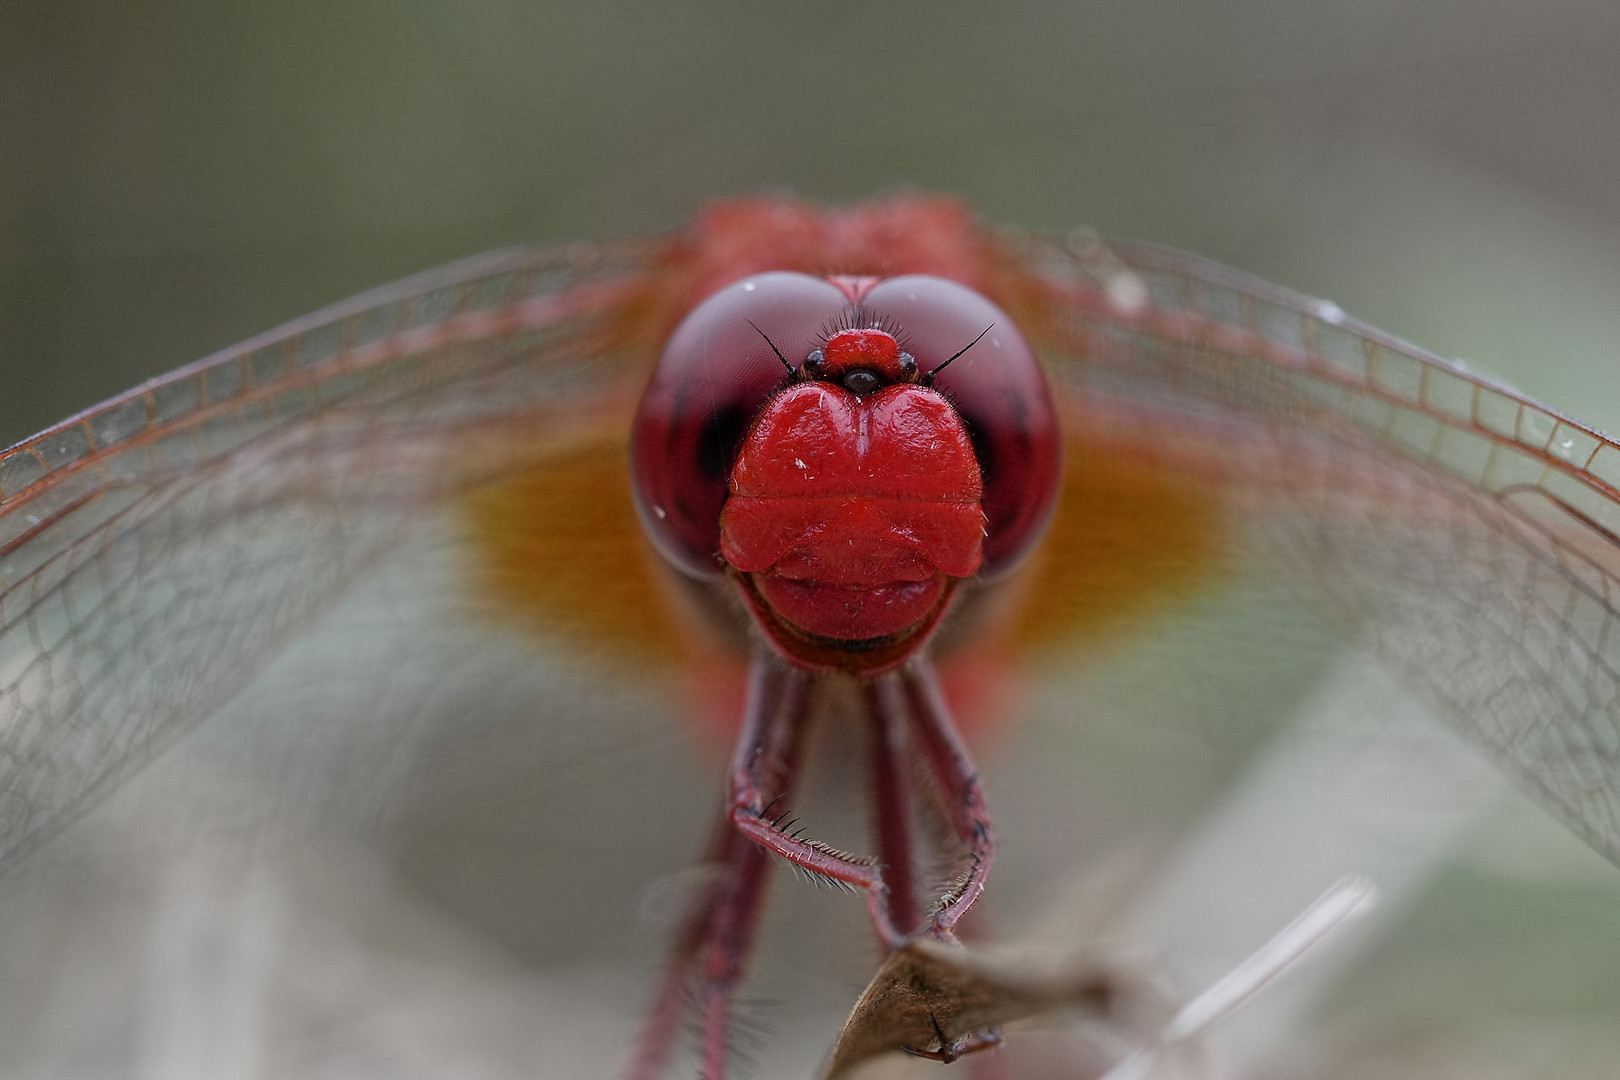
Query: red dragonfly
{"points": [[884, 456]]}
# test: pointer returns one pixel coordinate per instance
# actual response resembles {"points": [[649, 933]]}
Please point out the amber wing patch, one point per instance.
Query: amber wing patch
{"points": [[1129, 539], [559, 550]]}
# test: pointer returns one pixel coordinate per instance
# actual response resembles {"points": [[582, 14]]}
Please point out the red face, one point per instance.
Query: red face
{"points": [[848, 450]]}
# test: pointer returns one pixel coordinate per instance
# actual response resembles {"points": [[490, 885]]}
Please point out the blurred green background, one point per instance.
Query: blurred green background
{"points": [[178, 176]]}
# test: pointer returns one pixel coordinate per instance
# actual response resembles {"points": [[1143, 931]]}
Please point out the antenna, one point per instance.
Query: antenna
{"points": [[929, 378], [784, 359]]}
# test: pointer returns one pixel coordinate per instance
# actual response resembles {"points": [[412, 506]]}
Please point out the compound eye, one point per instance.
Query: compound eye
{"points": [[717, 371], [861, 382], [1000, 391]]}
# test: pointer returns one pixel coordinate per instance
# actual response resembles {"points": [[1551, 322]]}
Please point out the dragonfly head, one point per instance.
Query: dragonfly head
{"points": [[795, 439]]}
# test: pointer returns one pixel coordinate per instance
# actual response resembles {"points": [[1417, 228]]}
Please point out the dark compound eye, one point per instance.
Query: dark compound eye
{"points": [[721, 436], [717, 371], [861, 382], [998, 387]]}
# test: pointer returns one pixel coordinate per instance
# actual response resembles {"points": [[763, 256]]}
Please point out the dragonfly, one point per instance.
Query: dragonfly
{"points": [[810, 469]]}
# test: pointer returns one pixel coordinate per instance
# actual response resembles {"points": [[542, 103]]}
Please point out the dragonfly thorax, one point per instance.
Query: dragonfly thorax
{"points": [[846, 451]]}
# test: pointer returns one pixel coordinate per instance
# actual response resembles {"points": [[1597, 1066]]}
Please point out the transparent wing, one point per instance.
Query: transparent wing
{"points": [[155, 550], [1471, 534]]}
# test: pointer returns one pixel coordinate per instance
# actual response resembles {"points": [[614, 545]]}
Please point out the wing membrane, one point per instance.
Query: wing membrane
{"points": [[1470, 533], [155, 550]]}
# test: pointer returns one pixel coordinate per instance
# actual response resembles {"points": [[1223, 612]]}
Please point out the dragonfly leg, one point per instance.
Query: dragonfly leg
{"points": [[915, 695], [718, 932], [731, 940], [669, 1004], [711, 952], [891, 799], [958, 781], [763, 818]]}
